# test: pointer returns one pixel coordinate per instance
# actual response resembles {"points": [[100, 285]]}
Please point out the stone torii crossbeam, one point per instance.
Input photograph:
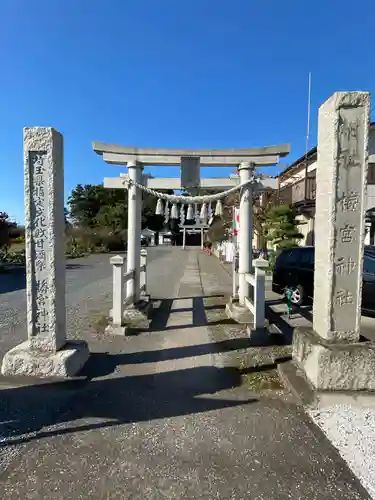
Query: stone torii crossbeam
{"points": [[190, 161]]}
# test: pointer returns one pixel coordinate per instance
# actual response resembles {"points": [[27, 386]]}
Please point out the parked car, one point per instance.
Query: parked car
{"points": [[144, 241], [294, 271]]}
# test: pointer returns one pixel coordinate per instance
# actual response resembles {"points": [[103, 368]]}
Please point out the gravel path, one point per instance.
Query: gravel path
{"points": [[351, 429]]}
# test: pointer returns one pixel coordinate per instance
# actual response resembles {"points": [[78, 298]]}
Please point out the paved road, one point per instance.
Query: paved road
{"points": [[161, 419], [88, 288]]}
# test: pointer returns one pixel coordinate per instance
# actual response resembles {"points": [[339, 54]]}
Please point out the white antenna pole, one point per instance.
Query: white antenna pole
{"points": [[307, 134], [308, 116]]}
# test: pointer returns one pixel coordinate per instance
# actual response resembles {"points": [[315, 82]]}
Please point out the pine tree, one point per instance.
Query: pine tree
{"points": [[281, 227]]}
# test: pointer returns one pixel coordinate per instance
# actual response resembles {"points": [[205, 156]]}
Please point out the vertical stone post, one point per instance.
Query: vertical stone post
{"points": [[118, 289], [143, 277], [260, 266], [246, 231], [202, 238], [183, 238], [134, 231], [340, 222], [117, 325], [234, 274], [330, 354], [44, 238], [46, 352]]}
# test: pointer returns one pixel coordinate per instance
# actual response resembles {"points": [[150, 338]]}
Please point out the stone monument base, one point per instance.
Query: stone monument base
{"points": [[23, 360], [136, 317], [333, 366], [239, 314]]}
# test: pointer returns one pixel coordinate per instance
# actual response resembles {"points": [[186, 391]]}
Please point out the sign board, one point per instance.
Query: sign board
{"points": [[190, 172]]}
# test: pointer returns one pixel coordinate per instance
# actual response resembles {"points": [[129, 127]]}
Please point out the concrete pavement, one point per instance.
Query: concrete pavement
{"points": [[163, 417]]}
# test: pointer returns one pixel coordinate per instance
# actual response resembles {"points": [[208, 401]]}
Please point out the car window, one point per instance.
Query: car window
{"points": [[289, 257], [370, 253], [307, 257], [369, 265]]}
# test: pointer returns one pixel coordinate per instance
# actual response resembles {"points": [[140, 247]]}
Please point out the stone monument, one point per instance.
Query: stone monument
{"points": [[46, 353], [331, 354]]}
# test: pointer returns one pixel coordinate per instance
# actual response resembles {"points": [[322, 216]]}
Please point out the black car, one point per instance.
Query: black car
{"points": [[294, 271]]}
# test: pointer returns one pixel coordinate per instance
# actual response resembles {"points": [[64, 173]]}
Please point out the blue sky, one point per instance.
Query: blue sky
{"points": [[186, 73]]}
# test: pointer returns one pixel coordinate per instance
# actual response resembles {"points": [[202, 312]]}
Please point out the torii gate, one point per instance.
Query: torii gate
{"points": [[190, 161]]}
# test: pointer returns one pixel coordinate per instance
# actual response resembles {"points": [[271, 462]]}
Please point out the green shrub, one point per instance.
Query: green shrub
{"points": [[12, 257], [90, 240], [114, 241]]}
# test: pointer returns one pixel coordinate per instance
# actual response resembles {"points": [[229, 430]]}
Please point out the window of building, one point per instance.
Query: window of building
{"points": [[371, 173]]}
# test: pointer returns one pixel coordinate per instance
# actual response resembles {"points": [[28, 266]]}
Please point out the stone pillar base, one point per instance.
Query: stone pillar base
{"points": [[22, 360], [135, 317], [239, 314], [138, 315], [334, 367]]}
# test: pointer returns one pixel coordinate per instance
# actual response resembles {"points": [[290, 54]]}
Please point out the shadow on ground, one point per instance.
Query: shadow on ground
{"points": [[70, 267], [114, 401], [12, 278], [199, 317], [100, 399], [277, 318], [101, 364]]}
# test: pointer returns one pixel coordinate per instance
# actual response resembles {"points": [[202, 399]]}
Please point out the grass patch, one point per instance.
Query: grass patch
{"points": [[99, 323], [281, 351], [259, 381]]}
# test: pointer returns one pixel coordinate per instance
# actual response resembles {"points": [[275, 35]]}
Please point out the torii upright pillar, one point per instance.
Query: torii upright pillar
{"points": [[134, 230], [246, 231]]}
